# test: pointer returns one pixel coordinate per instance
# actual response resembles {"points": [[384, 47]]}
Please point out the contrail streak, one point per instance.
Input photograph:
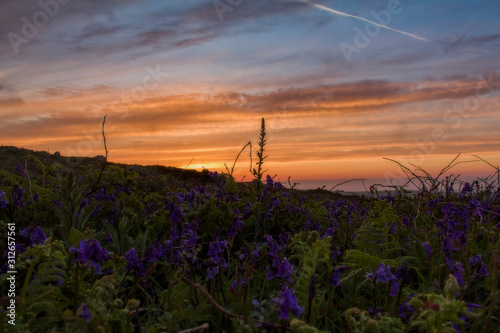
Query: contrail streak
{"points": [[363, 19]]}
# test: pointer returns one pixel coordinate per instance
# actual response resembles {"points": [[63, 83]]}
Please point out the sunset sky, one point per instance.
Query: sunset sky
{"points": [[341, 84]]}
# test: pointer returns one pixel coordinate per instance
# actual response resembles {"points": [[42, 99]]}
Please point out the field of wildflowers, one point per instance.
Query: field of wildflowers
{"points": [[118, 250]]}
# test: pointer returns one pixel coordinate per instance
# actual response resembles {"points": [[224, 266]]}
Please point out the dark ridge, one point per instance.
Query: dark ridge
{"points": [[11, 157]]}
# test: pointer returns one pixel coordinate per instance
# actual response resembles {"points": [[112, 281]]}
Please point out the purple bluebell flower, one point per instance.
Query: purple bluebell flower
{"points": [[3, 201], [404, 310], [285, 270], [173, 254], [269, 181], [476, 260], [190, 234], [336, 254], [483, 270], [256, 255], [472, 306], [287, 302], [449, 209], [352, 208], [154, 253], [189, 239], [275, 202], [235, 227], [330, 232], [133, 262], [176, 215], [283, 237], [383, 273], [461, 238], [100, 195], [391, 227], [428, 250], [20, 169], [273, 246], [485, 205], [447, 245], [388, 198], [457, 270], [18, 196], [270, 273], [150, 208], [474, 207], [466, 188], [85, 314], [35, 235], [90, 252], [247, 211], [432, 204], [214, 176], [212, 271], [85, 202], [125, 189], [273, 256], [402, 271], [406, 221], [216, 260], [335, 281], [181, 197], [258, 306], [215, 249], [59, 204], [175, 234], [243, 276], [394, 288]]}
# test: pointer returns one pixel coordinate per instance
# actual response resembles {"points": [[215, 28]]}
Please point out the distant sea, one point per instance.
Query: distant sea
{"points": [[358, 186], [344, 185]]}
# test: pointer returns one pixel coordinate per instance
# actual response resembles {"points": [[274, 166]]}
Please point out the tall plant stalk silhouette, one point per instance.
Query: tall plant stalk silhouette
{"points": [[260, 155]]}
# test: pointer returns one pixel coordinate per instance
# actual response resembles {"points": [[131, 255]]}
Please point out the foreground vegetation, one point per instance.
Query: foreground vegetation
{"points": [[113, 248]]}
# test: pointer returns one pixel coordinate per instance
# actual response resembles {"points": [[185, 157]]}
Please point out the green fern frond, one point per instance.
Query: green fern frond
{"points": [[370, 239], [358, 259], [43, 315], [43, 300], [311, 256], [102, 293]]}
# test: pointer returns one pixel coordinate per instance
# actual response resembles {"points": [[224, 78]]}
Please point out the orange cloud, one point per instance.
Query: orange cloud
{"points": [[317, 132]]}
